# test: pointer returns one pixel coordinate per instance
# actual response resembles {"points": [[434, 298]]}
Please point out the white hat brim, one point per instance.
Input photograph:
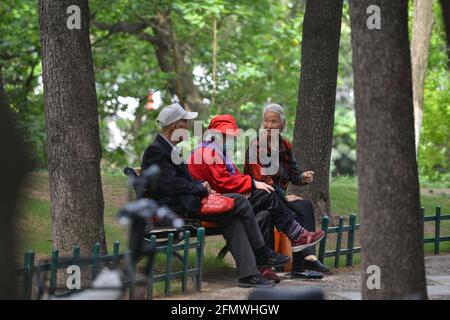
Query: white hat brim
{"points": [[190, 115]]}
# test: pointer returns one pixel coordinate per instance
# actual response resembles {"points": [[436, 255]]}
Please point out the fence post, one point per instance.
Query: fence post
{"points": [[116, 250], [131, 270], [351, 239], [27, 284], [53, 272], [95, 255], [169, 252], [323, 242], [199, 258], [187, 236], [338, 243], [150, 278], [437, 230], [75, 254]]}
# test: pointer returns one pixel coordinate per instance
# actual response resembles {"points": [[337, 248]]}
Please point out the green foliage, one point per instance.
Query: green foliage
{"points": [[343, 155], [258, 60], [20, 67], [434, 149]]}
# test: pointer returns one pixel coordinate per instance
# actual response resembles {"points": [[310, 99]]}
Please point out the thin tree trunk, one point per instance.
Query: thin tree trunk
{"points": [[13, 169], [421, 33], [172, 59], [313, 132], [391, 223], [72, 128], [214, 61]]}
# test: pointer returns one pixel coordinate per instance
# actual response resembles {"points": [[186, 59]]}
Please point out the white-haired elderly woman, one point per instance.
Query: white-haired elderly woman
{"points": [[274, 122]]}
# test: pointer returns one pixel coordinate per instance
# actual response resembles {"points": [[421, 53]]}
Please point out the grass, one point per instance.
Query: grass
{"points": [[344, 195], [34, 222]]}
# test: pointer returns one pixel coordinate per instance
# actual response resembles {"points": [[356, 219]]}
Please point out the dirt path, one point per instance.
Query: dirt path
{"points": [[341, 284], [435, 191]]}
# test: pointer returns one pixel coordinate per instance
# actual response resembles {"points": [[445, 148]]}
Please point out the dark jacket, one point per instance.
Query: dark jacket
{"points": [[175, 186]]}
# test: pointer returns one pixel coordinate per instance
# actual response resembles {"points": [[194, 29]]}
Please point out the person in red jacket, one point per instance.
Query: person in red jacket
{"points": [[209, 162]]}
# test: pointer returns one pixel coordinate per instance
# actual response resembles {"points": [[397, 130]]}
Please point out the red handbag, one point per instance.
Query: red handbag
{"points": [[215, 204]]}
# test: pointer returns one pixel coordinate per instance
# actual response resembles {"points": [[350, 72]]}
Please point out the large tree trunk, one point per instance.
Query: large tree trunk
{"points": [[72, 128], [313, 132], [391, 223], [421, 33], [12, 172]]}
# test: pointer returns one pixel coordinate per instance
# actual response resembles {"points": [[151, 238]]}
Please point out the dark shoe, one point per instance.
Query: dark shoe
{"points": [[256, 281], [270, 275], [307, 239], [313, 265], [308, 274], [271, 260]]}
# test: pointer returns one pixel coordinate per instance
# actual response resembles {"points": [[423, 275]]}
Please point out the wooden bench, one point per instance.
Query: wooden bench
{"points": [[161, 232]]}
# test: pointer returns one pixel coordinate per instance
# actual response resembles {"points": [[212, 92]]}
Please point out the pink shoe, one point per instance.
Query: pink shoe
{"points": [[307, 239]]}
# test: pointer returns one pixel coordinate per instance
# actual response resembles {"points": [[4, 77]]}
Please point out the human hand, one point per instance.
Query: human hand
{"points": [[264, 186], [292, 197], [308, 176], [207, 186]]}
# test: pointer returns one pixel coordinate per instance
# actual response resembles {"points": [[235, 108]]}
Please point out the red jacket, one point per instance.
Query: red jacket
{"points": [[207, 163]]}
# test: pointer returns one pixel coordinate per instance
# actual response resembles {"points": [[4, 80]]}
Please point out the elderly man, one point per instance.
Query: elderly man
{"points": [[178, 190]]}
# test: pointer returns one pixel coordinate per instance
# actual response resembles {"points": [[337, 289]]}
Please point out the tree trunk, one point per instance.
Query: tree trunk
{"points": [[13, 168], [421, 33], [72, 128], [172, 59], [391, 223], [313, 132]]}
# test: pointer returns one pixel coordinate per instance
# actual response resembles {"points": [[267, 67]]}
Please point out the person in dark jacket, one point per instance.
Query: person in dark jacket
{"points": [[288, 172], [178, 190]]}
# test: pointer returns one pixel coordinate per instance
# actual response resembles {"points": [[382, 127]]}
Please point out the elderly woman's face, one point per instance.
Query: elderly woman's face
{"points": [[272, 121]]}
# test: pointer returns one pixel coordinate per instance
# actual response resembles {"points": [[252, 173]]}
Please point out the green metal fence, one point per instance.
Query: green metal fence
{"points": [[350, 231], [96, 261], [437, 218]]}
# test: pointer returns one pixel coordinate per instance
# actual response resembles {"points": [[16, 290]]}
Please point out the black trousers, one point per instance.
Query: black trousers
{"points": [[240, 230], [282, 215], [242, 235], [304, 214], [304, 211]]}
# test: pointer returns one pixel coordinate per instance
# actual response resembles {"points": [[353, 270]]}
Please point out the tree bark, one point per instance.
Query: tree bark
{"points": [[13, 168], [391, 223], [172, 59], [421, 33], [72, 128], [313, 132]]}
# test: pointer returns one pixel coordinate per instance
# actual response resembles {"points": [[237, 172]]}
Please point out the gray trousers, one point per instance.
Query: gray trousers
{"points": [[243, 236]]}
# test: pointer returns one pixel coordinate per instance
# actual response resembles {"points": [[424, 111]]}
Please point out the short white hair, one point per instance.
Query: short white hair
{"points": [[273, 107]]}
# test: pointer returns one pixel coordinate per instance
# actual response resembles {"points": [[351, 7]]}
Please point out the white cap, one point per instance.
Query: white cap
{"points": [[173, 113]]}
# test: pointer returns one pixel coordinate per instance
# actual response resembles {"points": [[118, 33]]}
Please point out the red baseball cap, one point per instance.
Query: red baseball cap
{"points": [[225, 124]]}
